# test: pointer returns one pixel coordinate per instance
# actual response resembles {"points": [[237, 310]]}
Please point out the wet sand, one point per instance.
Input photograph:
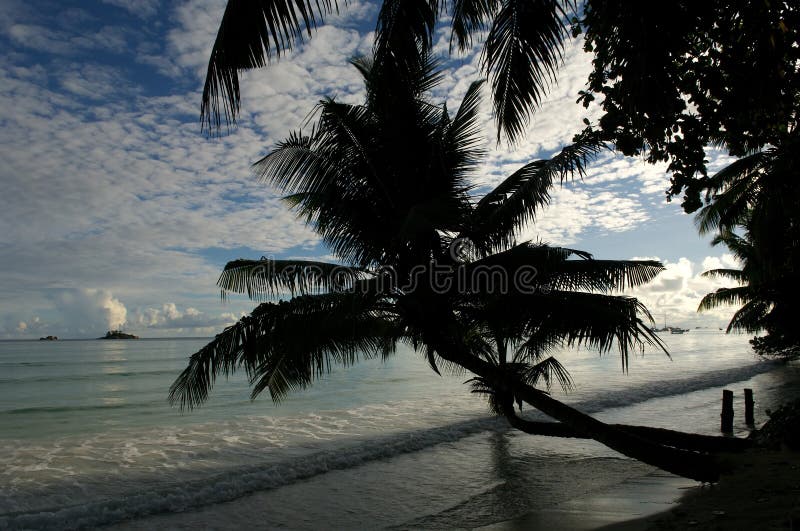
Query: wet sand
{"points": [[633, 499], [762, 493]]}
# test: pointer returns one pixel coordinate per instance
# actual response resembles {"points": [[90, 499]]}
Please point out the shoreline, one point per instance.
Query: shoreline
{"points": [[763, 492], [633, 500]]}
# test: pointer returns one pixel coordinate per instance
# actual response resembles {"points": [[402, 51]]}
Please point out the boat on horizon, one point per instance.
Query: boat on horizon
{"points": [[670, 329]]}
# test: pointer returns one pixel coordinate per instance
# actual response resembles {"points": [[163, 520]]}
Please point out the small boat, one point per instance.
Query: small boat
{"points": [[670, 329]]}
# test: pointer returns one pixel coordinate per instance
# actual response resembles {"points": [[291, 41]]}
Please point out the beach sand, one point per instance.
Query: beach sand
{"points": [[763, 492], [635, 498]]}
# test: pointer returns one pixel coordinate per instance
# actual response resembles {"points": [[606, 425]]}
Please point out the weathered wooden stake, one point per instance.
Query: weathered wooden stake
{"points": [[727, 411], [748, 407]]}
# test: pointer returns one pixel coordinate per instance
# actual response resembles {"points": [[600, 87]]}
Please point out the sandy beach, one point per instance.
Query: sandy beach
{"points": [[762, 493]]}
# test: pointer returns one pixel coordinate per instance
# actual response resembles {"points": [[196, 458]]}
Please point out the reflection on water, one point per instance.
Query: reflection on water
{"points": [[112, 400]]}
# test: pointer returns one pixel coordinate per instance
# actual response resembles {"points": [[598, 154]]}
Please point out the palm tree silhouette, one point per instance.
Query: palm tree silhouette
{"points": [[750, 294], [424, 261], [522, 51], [753, 213]]}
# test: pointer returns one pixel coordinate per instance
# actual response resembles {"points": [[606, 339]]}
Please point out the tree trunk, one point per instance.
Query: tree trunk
{"points": [[442, 332], [685, 441], [692, 465]]}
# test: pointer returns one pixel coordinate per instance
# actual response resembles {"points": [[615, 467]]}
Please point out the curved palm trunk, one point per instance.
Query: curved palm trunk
{"points": [[693, 465], [685, 441], [442, 333]]}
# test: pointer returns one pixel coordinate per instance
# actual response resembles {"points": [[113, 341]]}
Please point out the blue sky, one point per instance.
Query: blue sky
{"points": [[118, 212]]}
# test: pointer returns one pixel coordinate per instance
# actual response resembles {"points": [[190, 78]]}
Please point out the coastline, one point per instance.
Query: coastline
{"points": [[763, 492], [324, 457], [634, 500]]}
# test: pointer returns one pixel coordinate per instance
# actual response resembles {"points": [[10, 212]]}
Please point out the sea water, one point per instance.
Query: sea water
{"points": [[87, 438]]}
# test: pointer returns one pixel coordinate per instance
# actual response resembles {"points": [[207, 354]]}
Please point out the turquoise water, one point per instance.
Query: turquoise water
{"points": [[87, 437]]}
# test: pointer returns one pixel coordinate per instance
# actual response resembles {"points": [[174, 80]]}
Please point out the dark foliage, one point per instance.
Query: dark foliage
{"points": [[675, 77]]}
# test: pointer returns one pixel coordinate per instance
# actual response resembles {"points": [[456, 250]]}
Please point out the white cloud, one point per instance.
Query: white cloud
{"points": [[676, 293], [171, 318], [107, 181], [140, 8], [96, 82], [88, 311]]}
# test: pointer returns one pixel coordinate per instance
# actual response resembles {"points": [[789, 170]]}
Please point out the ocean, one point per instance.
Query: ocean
{"points": [[87, 439]]}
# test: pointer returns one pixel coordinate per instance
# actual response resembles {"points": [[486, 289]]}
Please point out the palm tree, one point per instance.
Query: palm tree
{"points": [[386, 186], [753, 212], [755, 304], [522, 51], [735, 61], [767, 299]]}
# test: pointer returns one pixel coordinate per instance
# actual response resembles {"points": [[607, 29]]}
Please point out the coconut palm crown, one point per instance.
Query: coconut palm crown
{"points": [[386, 185], [754, 214], [522, 52]]}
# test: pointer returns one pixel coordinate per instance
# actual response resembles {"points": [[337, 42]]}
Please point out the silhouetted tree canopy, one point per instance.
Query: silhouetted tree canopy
{"points": [[675, 77], [754, 214], [672, 77]]}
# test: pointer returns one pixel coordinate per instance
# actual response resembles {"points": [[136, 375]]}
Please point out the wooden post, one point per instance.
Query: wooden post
{"points": [[748, 407], [727, 412]]}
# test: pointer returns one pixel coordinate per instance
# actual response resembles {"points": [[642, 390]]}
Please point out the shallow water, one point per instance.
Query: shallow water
{"points": [[87, 438]]}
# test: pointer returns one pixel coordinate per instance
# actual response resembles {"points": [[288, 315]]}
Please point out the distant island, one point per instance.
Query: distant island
{"points": [[116, 334], [48, 338]]}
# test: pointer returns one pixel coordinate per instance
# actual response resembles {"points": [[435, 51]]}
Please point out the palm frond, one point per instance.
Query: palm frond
{"points": [[539, 255], [751, 317], [732, 274], [499, 399], [741, 248], [494, 399], [264, 278], [725, 296], [464, 134], [531, 264], [296, 163], [470, 17], [738, 170], [602, 275], [592, 320], [549, 371], [735, 189], [287, 345], [515, 201], [522, 53], [404, 34], [251, 32]]}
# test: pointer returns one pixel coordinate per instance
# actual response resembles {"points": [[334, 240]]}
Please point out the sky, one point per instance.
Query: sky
{"points": [[116, 211]]}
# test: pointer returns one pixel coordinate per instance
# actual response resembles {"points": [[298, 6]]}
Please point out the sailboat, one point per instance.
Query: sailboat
{"points": [[670, 329]]}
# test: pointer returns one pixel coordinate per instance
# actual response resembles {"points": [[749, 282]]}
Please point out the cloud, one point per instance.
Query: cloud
{"points": [[88, 311], [65, 42], [12, 327], [109, 186], [676, 293], [140, 8], [96, 82], [170, 317]]}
